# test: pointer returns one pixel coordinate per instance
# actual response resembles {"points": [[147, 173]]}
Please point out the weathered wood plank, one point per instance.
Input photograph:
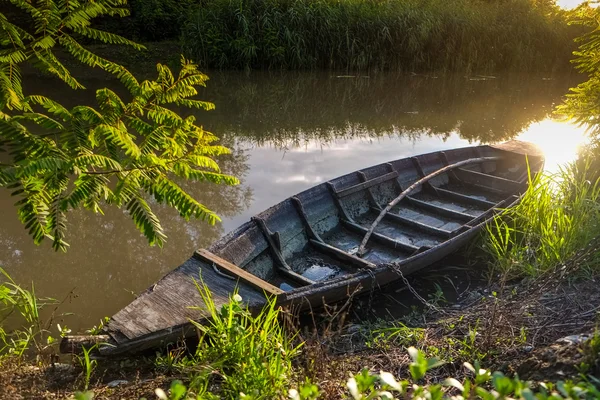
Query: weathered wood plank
{"points": [[76, 343], [445, 212], [311, 233], [416, 225], [341, 255], [237, 272], [304, 281], [489, 182], [367, 184], [423, 181], [385, 240], [449, 194]]}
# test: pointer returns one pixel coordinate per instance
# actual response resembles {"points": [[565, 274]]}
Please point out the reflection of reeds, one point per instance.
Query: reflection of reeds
{"points": [[458, 35], [287, 109]]}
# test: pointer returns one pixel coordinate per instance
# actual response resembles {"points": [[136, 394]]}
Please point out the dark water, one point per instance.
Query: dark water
{"points": [[287, 132]]}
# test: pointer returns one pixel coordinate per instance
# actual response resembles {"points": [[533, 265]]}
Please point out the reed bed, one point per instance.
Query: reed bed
{"points": [[406, 35]]}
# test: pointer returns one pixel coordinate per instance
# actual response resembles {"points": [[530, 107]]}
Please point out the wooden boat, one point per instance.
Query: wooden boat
{"points": [[354, 233]]}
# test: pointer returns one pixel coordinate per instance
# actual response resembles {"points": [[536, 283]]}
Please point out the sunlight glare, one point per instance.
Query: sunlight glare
{"points": [[569, 4], [560, 141]]}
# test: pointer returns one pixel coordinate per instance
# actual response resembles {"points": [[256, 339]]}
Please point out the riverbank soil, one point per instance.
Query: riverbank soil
{"points": [[541, 329]]}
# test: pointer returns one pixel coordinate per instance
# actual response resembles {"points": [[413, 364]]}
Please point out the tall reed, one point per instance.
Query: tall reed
{"points": [[559, 215], [459, 35]]}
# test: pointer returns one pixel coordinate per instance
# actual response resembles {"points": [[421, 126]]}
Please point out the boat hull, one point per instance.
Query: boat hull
{"points": [[353, 234]]}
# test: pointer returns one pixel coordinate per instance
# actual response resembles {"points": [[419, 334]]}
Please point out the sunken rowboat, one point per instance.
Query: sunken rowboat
{"points": [[354, 233]]}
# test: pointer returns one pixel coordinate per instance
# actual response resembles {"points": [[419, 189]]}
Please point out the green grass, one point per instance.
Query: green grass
{"points": [[252, 354], [22, 307], [558, 216], [406, 35]]}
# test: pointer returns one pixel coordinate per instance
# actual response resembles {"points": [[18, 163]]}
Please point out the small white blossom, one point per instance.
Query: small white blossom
{"points": [[161, 394], [293, 394], [389, 380], [386, 395], [353, 388], [454, 383], [237, 298]]}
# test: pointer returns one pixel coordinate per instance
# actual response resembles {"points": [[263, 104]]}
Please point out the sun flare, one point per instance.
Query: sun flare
{"points": [[560, 141]]}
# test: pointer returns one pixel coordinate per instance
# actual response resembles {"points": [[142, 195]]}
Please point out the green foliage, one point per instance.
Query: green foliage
{"points": [[481, 385], [88, 364], [590, 350], [159, 19], [559, 215], [582, 104], [409, 35], [24, 303], [384, 335], [252, 354], [114, 153]]}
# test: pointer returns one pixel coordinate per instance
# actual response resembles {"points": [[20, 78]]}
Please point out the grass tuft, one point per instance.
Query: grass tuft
{"points": [[250, 354], [558, 216]]}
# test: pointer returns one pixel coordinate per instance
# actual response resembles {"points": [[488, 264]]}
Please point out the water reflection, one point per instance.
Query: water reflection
{"points": [[287, 110], [288, 132]]}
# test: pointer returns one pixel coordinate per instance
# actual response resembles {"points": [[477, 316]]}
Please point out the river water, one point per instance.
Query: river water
{"points": [[288, 131]]}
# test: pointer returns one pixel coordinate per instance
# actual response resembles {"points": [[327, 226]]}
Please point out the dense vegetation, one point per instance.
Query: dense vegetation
{"points": [[409, 35], [124, 149], [116, 153]]}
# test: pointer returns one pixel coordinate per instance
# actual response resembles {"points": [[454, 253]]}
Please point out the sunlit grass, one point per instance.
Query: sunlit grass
{"points": [[252, 354], [558, 215]]}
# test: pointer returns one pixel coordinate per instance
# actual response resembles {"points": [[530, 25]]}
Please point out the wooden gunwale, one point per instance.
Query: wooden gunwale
{"points": [[366, 184]]}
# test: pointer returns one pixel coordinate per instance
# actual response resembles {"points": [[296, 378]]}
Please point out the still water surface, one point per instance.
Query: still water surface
{"points": [[287, 132]]}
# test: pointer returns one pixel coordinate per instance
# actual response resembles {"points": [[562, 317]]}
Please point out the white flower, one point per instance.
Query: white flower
{"points": [[353, 388], [237, 298], [469, 366], [413, 353], [389, 380], [293, 394], [161, 394], [386, 395], [454, 383]]}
